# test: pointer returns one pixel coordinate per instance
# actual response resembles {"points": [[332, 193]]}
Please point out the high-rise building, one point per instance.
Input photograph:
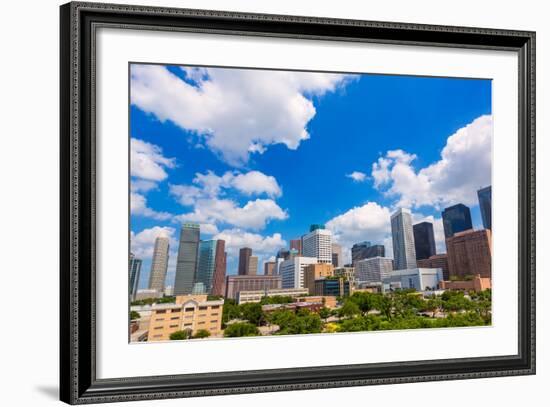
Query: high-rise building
{"points": [[456, 218], [318, 243], [365, 250], [296, 244], [469, 253], [337, 259], [269, 268], [334, 287], [220, 268], [236, 284], [188, 254], [404, 254], [211, 266], [437, 261], [244, 254], [252, 266], [348, 273], [314, 272], [373, 269], [134, 268], [159, 264], [424, 241], [485, 206], [292, 271]]}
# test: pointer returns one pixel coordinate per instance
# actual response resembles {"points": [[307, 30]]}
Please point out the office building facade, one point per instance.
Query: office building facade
{"points": [[485, 206], [419, 279], [456, 218], [366, 250], [404, 253], [220, 269], [373, 270], [235, 284], [314, 272], [424, 241], [252, 269], [469, 253], [292, 271], [134, 267], [332, 287], [159, 263], [318, 244], [188, 254], [244, 254], [296, 244], [269, 268], [337, 259], [434, 262]]}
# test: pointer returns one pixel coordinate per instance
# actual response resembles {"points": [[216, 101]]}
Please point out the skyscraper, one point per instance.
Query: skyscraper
{"points": [[365, 250], [318, 243], [133, 282], [206, 264], [404, 254], [269, 268], [485, 206], [424, 241], [337, 259], [220, 268], [188, 253], [469, 253], [456, 219], [292, 271], [252, 266], [244, 254], [159, 264], [296, 244]]}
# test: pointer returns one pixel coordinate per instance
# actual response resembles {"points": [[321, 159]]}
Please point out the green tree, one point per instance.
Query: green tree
{"points": [[134, 315], [253, 313], [180, 335], [230, 311], [349, 309], [239, 329], [324, 313], [201, 333]]}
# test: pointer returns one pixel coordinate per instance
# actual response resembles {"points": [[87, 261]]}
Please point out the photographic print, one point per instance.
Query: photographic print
{"points": [[275, 202]]}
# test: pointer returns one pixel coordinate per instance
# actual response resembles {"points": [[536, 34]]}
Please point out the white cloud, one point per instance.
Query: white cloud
{"points": [[210, 185], [138, 206], [357, 176], [142, 185], [264, 246], [368, 222], [235, 111], [147, 161], [256, 182], [464, 167], [253, 215], [142, 243]]}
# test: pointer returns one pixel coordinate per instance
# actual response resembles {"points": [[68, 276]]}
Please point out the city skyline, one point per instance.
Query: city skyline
{"points": [[271, 204]]}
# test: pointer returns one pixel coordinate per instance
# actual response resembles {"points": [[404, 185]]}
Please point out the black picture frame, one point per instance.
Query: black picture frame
{"points": [[78, 382]]}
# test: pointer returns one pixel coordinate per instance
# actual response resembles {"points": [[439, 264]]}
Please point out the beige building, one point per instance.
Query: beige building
{"points": [[244, 297], [192, 312], [252, 265], [314, 272], [159, 264], [236, 284]]}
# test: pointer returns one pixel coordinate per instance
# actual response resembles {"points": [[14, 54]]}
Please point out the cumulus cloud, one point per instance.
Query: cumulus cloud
{"points": [[147, 161], [357, 176], [236, 112], [142, 185], [142, 243], [210, 185], [464, 166], [253, 215], [263, 246], [138, 206]]}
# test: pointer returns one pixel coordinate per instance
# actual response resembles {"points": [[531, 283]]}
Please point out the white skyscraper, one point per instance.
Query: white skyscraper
{"points": [[404, 253], [159, 264], [318, 243], [292, 271], [373, 270]]}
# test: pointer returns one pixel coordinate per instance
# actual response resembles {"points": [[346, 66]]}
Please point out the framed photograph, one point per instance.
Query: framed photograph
{"points": [[255, 203]]}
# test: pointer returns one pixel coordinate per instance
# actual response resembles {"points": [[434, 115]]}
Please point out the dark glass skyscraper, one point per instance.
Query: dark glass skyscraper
{"points": [[456, 218], [424, 242], [365, 250], [188, 253], [485, 206], [244, 256]]}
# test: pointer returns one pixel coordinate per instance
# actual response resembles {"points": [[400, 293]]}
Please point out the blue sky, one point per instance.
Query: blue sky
{"points": [[257, 156]]}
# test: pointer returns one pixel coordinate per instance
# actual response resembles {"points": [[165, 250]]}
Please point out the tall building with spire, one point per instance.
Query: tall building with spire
{"points": [[159, 264], [404, 253], [188, 253]]}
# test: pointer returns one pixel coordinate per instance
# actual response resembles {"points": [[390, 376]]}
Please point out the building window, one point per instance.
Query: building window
{"points": [[159, 319], [187, 324], [202, 323], [189, 309], [173, 318], [202, 308], [175, 310], [158, 327], [215, 321], [173, 326], [215, 306], [161, 311]]}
